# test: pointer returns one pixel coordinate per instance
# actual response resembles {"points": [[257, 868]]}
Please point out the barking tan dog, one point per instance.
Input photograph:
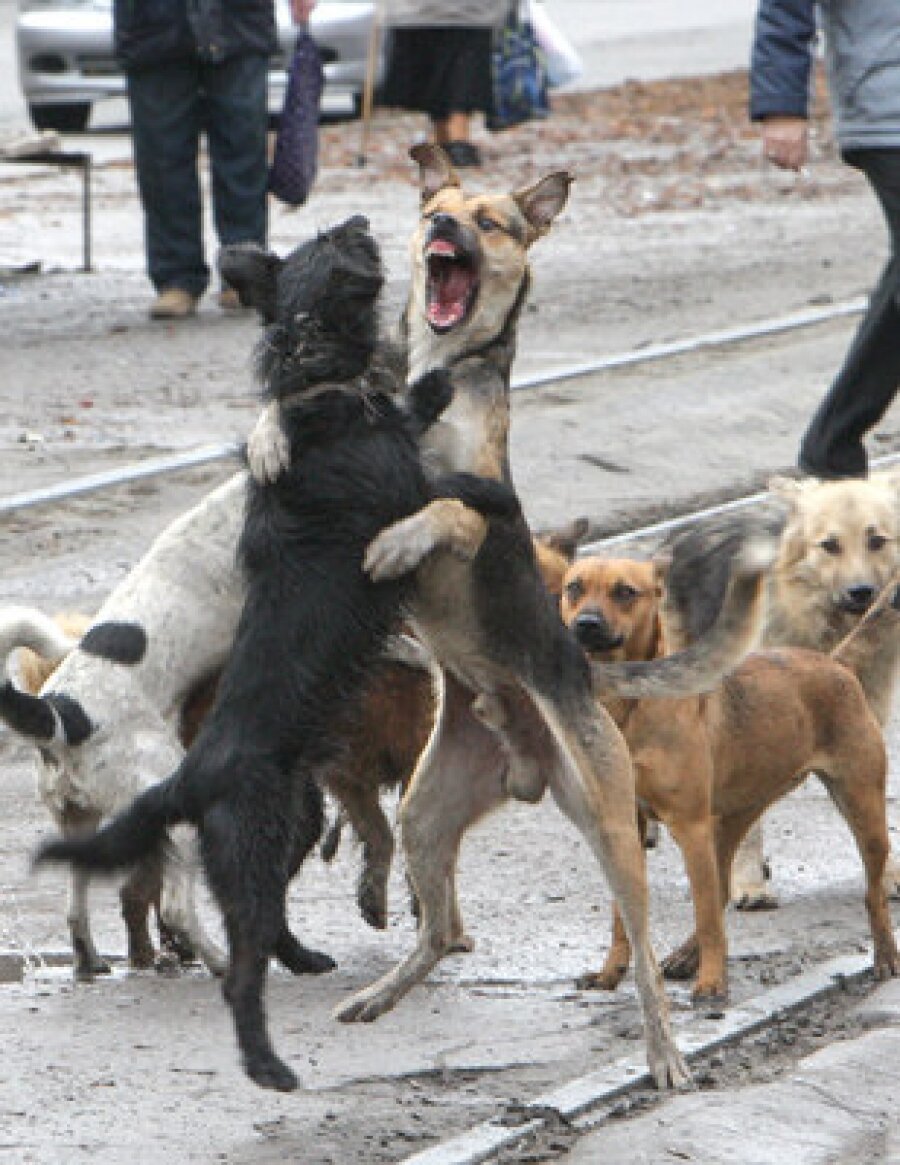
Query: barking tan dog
{"points": [[501, 651], [516, 712], [709, 766]]}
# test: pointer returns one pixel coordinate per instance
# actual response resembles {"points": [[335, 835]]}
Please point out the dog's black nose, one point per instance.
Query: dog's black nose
{"points": [[859, 597], [594, 633], [443, 222]]}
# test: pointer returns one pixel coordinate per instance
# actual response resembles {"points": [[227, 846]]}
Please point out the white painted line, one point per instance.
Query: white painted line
{"points": [[156, 466], [669, 525], [571, 1100], [152, 467], [758, 331]]}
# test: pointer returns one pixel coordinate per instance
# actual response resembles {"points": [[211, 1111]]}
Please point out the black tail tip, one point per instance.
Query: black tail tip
{"points": [[53, 849]]}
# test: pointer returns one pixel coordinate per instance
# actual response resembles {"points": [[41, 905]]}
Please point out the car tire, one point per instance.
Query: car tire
{"points": [[71, 118]]}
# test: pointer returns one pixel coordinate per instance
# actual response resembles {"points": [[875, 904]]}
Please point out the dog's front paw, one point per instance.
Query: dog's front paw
{"points": [[399, 549], [268, 449]]}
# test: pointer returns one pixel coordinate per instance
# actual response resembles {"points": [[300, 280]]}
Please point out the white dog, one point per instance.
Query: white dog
{"points": [[106, 721]]}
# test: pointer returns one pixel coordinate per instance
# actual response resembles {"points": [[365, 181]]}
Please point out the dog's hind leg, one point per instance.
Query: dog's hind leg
{"points": [[856, 784], [309, 820], [247, 852], [749, 888], [458, 779], [373, 829], [596, 793], [178, 908]]}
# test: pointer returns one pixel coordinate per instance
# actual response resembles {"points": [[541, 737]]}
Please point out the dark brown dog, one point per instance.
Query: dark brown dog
{"points": [[709, 766]]}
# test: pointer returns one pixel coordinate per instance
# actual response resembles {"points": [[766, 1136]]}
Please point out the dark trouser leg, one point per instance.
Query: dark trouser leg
{"points": [[236, 127], [870, 376], [165, 119]]}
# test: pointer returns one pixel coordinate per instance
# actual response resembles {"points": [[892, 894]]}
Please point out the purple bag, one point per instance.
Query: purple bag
{"points": [[293, 168]]}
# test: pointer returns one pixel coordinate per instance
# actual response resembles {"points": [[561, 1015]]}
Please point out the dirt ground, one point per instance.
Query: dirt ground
{"points": [[674, 229]]}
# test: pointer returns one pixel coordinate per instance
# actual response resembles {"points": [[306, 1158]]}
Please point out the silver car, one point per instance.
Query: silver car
{"points": [[66, 62]]}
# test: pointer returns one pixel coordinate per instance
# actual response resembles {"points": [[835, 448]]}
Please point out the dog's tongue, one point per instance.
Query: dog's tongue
{"points": [[447, 293]]}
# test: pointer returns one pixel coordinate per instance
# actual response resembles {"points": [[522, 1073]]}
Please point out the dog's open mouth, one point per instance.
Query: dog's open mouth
{"points": [[452, 284]]}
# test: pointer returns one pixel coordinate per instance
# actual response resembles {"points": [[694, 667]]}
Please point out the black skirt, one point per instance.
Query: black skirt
{"points": [[438, 71]]}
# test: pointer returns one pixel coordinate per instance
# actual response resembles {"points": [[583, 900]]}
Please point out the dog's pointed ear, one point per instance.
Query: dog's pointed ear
{"points": [[253, 272], [435, 170], [662, 563], [565, 539], [787, 489], [542, 202]]}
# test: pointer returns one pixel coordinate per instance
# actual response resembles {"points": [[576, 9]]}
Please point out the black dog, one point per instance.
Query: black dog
{"points": [[313, 623]]}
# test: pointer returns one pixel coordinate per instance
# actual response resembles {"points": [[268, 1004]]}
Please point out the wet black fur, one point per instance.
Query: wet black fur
{"points": [[313, 623]]}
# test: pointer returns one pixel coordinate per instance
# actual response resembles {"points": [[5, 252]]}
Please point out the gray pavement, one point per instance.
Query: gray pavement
{"points": [[838, 1107], [103, 1076]]}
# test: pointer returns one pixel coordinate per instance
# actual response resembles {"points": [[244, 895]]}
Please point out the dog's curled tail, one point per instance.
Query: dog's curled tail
{"points": [[132, 835], [31, 628], [703, 664]]}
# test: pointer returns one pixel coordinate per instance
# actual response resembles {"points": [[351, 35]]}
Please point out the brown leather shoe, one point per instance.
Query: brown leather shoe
{"points": [[173, 303]]}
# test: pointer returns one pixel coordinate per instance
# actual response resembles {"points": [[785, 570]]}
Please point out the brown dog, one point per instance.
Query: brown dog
{"points": [[709, 766]]}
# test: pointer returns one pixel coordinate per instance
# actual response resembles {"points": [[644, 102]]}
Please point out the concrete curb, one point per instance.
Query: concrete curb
{"points": [[571, 1100]]}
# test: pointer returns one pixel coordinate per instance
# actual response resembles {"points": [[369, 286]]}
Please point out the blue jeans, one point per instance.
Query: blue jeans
{"points": [[170, 106]]}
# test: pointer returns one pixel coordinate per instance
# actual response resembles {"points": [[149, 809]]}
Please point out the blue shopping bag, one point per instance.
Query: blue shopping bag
{"points": [[296, 156], [518, 73]]}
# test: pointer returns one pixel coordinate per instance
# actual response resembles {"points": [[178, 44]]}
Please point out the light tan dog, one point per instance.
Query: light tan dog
{"points": [[840, 546], [709, 766]]}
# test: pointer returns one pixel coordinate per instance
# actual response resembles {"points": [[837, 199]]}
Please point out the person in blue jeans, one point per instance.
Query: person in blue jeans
{"points": [[862, 52], [195, 67]]}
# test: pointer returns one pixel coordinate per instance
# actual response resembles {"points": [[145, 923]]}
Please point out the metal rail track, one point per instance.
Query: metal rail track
{"points": [[160, 466]]}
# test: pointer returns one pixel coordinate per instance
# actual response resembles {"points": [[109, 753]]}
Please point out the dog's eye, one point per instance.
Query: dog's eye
{"points": [[574, 590], [487, 224], [830, 545], [623, 592], [877, 541]]}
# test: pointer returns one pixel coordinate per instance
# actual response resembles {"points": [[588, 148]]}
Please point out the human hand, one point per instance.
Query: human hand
{"points": [[301, 9], [785, 141]]}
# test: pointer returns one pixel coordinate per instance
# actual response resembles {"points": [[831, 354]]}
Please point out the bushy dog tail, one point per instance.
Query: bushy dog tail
{"points": [[132, 835], [31, 628], [872, 649], [700, 666]]}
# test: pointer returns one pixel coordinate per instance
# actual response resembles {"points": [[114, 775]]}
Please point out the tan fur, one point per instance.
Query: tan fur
{"points": [[708, 767], [499, 730], [840, 536]]}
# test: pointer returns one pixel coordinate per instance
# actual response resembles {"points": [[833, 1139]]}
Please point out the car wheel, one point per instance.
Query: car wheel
{"points": [[66, 118]]}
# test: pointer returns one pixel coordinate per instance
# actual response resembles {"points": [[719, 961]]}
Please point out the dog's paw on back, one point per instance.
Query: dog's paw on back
{"points": [[429, 396]]}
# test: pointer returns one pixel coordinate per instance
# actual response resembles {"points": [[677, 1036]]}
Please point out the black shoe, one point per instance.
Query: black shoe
{"points": [[462, 153]]}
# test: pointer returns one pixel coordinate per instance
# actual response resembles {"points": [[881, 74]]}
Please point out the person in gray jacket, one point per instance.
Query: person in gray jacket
{"points": [[439, 63], [862, 50]]}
